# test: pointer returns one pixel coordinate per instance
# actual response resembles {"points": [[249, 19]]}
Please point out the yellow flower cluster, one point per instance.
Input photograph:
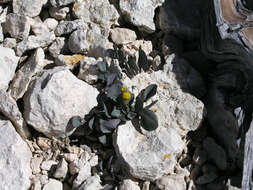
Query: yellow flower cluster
{"points": [[126, 95]]}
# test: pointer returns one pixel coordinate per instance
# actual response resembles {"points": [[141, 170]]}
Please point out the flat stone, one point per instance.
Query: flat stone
{"points": [[15, 157], [23, 77], [216, 153], [8, 64], [140, 13], [18, 26], [53, 185], [61, 170], [9, 108], [56, 88], [29, 8], [173, 181], [68, 60], [129, 184], [60, 3], [122, 36], [92, 183], [34, 42], [137, 151]]}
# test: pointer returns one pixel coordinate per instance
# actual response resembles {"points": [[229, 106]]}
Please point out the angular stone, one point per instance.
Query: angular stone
{"points": [[51, 23], [140, 13], [78, 42], [89, 70], [9, 108], [33, 42], [123, 36], [47, 165], [15, 158], [173, 181], [100, 12], [216, 153], [129, 184], [58, 13], [92, 183], [137, 151], [8, 64], [60, 3], [35, 164], [53, 185], [24, 75], [10, 43], [132, 48], [29, 8], [66, 27], [68, 60], [61, 170], [57, 47], [18, 26], [84, 173], [38, 27], [56, 88]]}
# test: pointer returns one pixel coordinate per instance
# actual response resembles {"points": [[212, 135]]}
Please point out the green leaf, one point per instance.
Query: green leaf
{"points": [[148, 92], [138, 104], [108, 126], [106, 111], [76, 121], [133, 66], [114, 91], [115, 112], [143, 60], [91, 122], [102, 139], [131, 115], [149, 120], [102, 66]]}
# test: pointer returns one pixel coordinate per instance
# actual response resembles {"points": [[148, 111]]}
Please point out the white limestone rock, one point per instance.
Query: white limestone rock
{"points": [[140, 13], [60, 3], [57, 47], [100, 12], [47, 165], [24, 75], [54, 89], [61, 170], [84, 173], [38, 27], [1, 34], [123, 36], [8, 64], [33, 42], [9, 42], [78, 42], [66, 27], [18, 26], [15, 157], [92, 183], [148, 156], [9, 108], [173, 181], [53, 185], [29, 8], [51, 23], [128, 184], [58, 13]]}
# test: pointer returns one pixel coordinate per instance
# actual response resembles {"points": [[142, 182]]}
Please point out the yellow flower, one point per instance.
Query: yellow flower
{"points": [[126, 95], [123, 89]]}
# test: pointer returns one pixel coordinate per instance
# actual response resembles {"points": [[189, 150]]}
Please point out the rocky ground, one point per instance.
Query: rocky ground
{"points": [[52, 56]]}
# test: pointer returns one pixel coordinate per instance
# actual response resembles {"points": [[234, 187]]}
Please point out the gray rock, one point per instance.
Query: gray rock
{"points": [[61, 170], [206, 178], [9, 42], [89, 70], [24, 75], [33, 42], [123, 36], [200, 156], [5, 1], [83, 174], [8, 64], [58, 13], [18, 26], [66, 27], [216, 153], [148, 156], [1, 34], [57, 47], [15, 158], [100, 12], [78, 42], [57, 88], [128, 184], [92, 183], [53, 185], [140, 13], [173, 181], [9, 108], [99, 48], [60, 3], [29, 8]]}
